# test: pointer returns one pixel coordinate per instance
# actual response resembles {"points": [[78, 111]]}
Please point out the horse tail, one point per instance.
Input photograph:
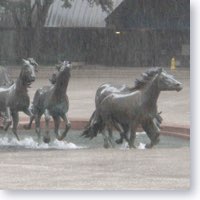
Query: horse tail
{"points": [[94, 126]]}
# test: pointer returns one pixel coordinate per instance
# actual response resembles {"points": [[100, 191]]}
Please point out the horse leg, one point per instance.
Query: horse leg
{"points": [[67, 126], [56, 120], [120, 140], [110, 138], [152, 132], [15, 117], [156, 131], [28, 126], [105, 138], [119, 129], [37, 126], [46, 138], [28, 112], [8, 120], [132, 135], [32, 117], [123, 135], [2, 117]]}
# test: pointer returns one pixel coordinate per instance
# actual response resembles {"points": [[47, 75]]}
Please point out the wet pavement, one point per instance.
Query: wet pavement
{"points": [[78, 163]]}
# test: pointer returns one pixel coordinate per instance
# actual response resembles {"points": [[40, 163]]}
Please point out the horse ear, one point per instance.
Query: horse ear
{"points": [[25, 62], [58, 67], [32, 61], [69, 64]]}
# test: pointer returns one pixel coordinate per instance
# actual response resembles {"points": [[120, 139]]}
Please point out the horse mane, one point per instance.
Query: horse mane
{"points": [[146, 77]]}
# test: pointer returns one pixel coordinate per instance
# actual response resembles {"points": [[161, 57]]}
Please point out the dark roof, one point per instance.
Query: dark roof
{"points": [[151, 14], [127, 14]]}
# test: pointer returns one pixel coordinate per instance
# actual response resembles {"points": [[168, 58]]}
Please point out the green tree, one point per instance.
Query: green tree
{"points": [[29, 18]]}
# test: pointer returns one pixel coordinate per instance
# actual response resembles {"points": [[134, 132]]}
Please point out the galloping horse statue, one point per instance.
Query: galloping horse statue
{"points": [[102, 92], [52, 80], [52, 101], [6, 82], [137, 106], [15, 98]]}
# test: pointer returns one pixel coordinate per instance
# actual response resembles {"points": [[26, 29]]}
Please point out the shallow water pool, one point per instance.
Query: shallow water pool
{"points": [[28, 140]]}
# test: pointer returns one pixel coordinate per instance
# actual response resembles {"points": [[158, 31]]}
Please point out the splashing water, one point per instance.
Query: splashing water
{"points": [[125, 146], [141, 146], [29, 143]]}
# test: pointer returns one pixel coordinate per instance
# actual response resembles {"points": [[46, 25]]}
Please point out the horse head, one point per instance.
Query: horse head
{"points": [[59, 67], [167, 82], [27, 74], [34, 63], [65, 69]]}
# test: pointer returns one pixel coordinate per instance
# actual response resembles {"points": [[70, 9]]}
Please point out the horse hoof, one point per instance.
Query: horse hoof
{"points": [[60, 138], [119, 141], [46, 140], [106, 146], [26, 127], [157, 141], [148, 146], [132, 146], [17, 138], [39, 142]]}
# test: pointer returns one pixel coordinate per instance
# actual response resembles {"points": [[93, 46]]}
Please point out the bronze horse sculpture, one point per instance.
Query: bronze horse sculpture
{"points": [[128, 110], [15, 98], [6, 81], [52, 80], [52, 101], [102, 92]]}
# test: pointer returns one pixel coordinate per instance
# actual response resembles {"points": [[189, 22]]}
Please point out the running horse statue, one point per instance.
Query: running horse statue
{"points": [[52, 101], [102, 92], [52, 80], [15, 97], [127, 109], [6, 82]]}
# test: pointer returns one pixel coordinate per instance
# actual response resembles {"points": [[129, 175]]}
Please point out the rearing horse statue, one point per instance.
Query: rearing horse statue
{"points": [[52, 80], [52, 101], [15, 98]]}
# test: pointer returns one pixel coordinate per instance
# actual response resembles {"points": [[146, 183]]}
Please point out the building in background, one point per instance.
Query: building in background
{"points": [[137, 33]]}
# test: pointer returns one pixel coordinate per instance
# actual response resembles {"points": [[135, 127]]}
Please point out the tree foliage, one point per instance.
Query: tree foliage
{"points": [[32, 14], [23, 10], [106, 5]]}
